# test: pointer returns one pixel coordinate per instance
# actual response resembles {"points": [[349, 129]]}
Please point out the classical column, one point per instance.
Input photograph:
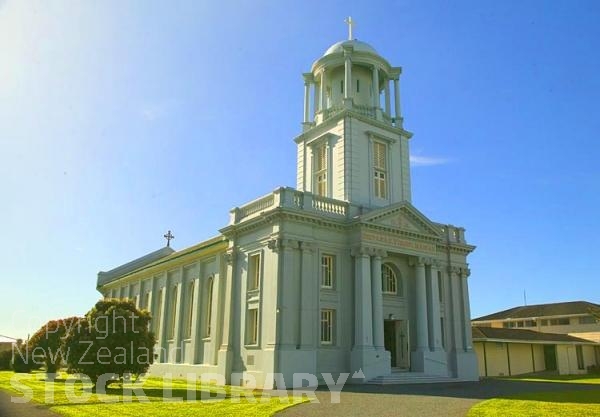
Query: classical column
{"points": [[457, 309], [376, 103], [308, 316], [347, 75], [323, 93], [377, 300], [289, 304], [229, 258], [421, 307], [435, 321], [363, 332], [467, 338], [388, 110], [307, 82], [397, 109]]}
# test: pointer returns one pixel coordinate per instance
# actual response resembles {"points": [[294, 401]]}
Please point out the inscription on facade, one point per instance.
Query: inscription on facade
{"points": [[398, 242]]}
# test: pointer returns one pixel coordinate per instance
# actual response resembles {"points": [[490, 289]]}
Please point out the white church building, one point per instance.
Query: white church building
{"points": [[340, 274]]}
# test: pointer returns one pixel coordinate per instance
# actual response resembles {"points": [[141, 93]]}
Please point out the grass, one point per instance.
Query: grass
{"points": [[568, 403], [69, 397]]}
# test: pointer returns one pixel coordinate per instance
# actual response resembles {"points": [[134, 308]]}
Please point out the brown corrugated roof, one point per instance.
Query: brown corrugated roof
{"points": [[522, 335], [542, 310]]}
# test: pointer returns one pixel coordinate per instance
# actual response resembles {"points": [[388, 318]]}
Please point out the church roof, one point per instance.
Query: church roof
{"points": [[522, 335], [108, 276], [542, 310], [358, 46]]}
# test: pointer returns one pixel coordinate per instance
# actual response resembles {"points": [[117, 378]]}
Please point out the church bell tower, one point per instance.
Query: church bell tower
{"points": [[353, 146]]}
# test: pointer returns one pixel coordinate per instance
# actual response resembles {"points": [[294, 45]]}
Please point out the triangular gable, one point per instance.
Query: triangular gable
{"points": [[402, 216]]}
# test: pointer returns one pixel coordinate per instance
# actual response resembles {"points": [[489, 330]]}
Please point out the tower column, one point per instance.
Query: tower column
{"points": [[377, 300], [307, 83], [388, 110], [376, 103], [323, 93], [397, 109], [347, 77]]}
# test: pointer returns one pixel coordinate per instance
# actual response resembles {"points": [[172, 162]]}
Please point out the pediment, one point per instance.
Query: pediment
{"points": [[402, 216]]}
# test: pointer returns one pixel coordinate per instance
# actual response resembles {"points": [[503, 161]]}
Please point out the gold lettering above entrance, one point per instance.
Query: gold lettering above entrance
{"points": [[398, 242]]}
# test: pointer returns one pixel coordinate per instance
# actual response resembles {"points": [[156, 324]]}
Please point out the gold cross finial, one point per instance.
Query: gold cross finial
{"points": [[350, 23]]}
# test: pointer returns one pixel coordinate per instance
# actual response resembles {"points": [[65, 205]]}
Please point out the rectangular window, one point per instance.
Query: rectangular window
{"points": [[380, 169], [321, 170], [579, 351], [190, 312], [564, 321], [173, 309], [544, 322], [443, 331], [342, 86], [252, 327], [587, 320], [327, 271], [254, 272], [440, 287], [358, 86], [327, 326]]}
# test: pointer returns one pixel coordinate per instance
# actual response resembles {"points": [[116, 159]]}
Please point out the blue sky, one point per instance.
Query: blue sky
{"points": [[120, 120]]}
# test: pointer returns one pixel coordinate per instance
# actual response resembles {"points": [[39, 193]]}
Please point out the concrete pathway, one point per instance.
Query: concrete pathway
{"points": [[31, 409], [424, 400]]}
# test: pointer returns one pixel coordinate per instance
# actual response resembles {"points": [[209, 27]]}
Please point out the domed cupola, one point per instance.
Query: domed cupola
{"points": [[351, 75]]}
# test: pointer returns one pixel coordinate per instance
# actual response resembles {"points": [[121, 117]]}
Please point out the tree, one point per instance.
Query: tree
{"points": [[113, 338], [47, 343], [595, 311]]}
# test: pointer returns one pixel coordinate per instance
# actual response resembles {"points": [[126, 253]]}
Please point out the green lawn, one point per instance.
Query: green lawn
{"points": [[563, 404], [71, 398]]}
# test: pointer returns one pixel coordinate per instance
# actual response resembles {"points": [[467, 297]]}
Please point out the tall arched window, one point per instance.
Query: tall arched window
{"points": [[209, 298], [190, 312], [389, 281], [173, 313]]}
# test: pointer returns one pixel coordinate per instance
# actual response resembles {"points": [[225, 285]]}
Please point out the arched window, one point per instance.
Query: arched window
{"points": [[190, 315], [209, 298], [389, 282], [173, 309]]}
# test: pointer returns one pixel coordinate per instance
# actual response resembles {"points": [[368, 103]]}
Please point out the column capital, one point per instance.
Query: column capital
{"points": [[308, 78], [308, 246], [420, 261], [230, 256], [380, 253], [361, 250], [465, 272], [274, 244], [453, 270], [287, 243]]}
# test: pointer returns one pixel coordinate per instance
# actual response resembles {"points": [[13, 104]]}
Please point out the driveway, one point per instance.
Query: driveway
{"points": [[424, 400]]}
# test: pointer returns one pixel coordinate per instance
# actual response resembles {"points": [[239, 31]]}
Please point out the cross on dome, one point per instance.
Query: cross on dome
{"points": [[350, 24]]}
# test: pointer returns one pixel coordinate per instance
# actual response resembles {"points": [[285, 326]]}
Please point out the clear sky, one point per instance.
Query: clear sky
{"points": [[120, 120]]}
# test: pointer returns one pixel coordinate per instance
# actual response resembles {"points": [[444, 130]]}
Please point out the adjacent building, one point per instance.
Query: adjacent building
{"points": [[556, 337], [340, 274]]}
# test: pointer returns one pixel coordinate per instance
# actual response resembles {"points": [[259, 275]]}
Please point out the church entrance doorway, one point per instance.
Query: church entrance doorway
{"points": [[395, 338]]}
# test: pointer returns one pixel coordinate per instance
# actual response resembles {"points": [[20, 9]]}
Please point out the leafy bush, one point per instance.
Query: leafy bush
{"points": [[5, 357], [22, 360], [112, 338], [593, 369], [47, 344]]}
